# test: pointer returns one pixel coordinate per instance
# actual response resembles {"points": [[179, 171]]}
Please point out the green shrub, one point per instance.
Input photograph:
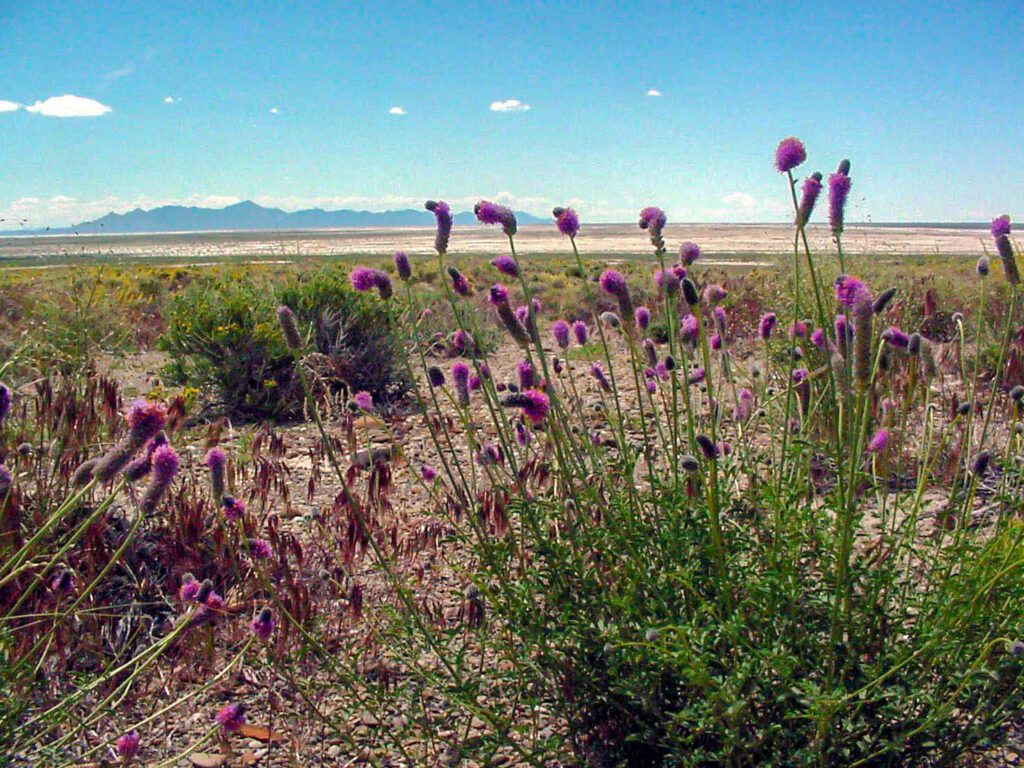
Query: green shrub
{"points": [[224, 334]]}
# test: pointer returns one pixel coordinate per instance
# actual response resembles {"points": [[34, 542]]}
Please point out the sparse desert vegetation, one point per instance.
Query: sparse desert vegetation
{"points": [[535, 509]]}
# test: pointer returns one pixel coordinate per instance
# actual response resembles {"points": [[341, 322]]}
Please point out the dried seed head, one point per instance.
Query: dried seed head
{"points": [[882, 300]]}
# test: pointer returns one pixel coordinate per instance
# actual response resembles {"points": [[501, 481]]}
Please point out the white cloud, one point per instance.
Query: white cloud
{"points": [[69, 106], [275, 111], [396, 111], [9, 106], [122, 72], [170, 100], [654, 92], [509, 105]]}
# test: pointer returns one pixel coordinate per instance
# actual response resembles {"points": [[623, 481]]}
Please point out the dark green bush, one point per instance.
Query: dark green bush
{"points": [[223, 334]]}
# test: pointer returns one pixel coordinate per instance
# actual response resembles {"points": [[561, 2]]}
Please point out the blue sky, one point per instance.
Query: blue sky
{"points": [[289, 104]]}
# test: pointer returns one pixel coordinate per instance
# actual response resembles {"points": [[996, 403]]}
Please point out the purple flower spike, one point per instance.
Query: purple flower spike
{"points": [[443, 214], [506, 265], [689, 329], [492, 213], [766, 325], [459, 282], [688, 253], [851, 292], [498, 295], [878, 441], [1001, 226], [818, 338], [363, 279], [567, 220], [809, 196], [598, 373], [560, 330], [402, 266], [262, 624], [613, 283], [579, 330], [524, 369], [642, 316], [896, 337], [838, 190], [535, 405], [789, 154]]}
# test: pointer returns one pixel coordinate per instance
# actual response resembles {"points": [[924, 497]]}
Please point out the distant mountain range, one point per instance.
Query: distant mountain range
{"points": [[247, 215]]}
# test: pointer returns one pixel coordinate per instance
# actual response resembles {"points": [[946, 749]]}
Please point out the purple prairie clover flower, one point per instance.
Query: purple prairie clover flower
{"points": [[652, 217], [789, 154], [443, 215], [556, 364], [189, 589], [714, 293], [613, 283], [697, 376], [363, 400], [838, 190], [506, 265], [842, 328], [475, 383], [808, 197], [231, 717], [498, 294], [688, 253], [216, 462], [402, 265], [667, 281], [679, 271], [165, 467], [766, 325], [435, 376], [140, 467], [459, 282], [642, 317], [460, 375], [979, 465], [463, 342], [719, 316], [262, 624], [798, 329], [489, 455], [214, 602], [260, 549], [651, 386], [382, 281], [744, 405], [567, 220], [716, 341], [363, 279], [579, 330], [661, 371], [522, 434], [428, 473], [1000, 226], [5, 401], [533, 403], [233, 508], [896, 337], [707, 447], [485, 371], [818, 338], [493, 213], [878, 441], [689, 328], [127, 746], [560, 330], [524, 370], [598, 373], [850, 291], [1001, 233], [800, 375]]}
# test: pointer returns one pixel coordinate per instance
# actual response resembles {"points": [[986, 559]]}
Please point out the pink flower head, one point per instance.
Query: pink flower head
{"points": [[560, 330], [216, 460], [579, 330], [231, 717], [428, 473], [613, 283], [642, 316], [878, 441], [364, 400], [535, 405], [260, 549], [127, 745], [652, 218], [789, 154], [363, 279], [851, 292], [492, 213], [233, 508], [524, 369], [460, 374], [716, 341], [459, 282], [800, 375], [818, 338], [598, 373], [189, 588], [402, 266], [838, 190], [506, 265], [262, 624], [744, 405], [842, 328], [443, 215], [567, 220], [798, 329], [689, 328], [667, 281], [766, 325], [714, 293], [688, 253], [896, 337], [698, 375], [165, 464]]}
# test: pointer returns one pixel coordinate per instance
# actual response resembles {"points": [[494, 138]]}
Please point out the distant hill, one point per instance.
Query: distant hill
{"points": [[247, 215]]}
